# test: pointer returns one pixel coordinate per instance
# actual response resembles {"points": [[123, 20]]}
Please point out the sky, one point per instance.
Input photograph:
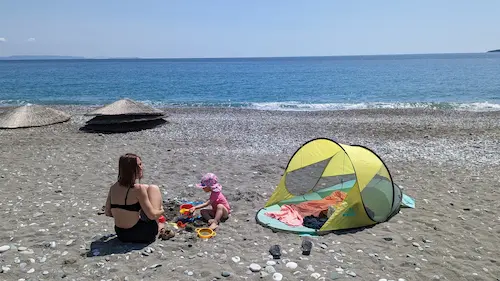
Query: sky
{"points": [[239, 28]]}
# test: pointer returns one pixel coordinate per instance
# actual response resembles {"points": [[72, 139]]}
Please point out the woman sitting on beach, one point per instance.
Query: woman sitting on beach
{"points": [[135, 207]]}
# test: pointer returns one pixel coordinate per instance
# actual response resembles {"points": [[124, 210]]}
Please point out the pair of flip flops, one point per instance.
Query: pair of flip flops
{"points": [[306, 248]]}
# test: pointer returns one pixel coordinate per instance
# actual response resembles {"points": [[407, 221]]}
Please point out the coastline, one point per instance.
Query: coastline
{"points": [[55, 180]]}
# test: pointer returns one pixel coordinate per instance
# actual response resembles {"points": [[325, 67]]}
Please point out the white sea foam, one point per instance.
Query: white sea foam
{"points": [[296, 106], [301, 106]]}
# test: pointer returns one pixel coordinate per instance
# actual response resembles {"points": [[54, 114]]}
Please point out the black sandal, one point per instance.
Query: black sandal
{"points": [[275, 251], [306, 247]]}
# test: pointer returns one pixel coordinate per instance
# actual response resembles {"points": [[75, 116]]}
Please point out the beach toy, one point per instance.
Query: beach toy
{"points": [[181, 224], [162, 219], [184, 210], [205, 233], [186, 206]]}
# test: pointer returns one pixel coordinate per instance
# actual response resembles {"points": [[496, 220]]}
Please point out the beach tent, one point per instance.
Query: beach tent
{"points": [[323, 167], [27, 116]]}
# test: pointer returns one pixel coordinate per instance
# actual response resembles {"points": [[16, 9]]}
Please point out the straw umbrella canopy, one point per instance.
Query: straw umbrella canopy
{"points": [[31, 116], [125, 107]]}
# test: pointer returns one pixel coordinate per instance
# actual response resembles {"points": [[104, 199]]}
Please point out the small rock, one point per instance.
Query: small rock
{"points": [[263, 274], [45, 272], [292, 265], [271, 263], [277, 276], [315, 275], [69, 242], [415, 244], [225, 274], [255, 267], [52, 244], [155, 265], [270, 269], [30, 271], [4, 248], [351, 273], [20, 249], [70, 261], [27, 252], [310, 268], [236, 259], [5, 269]]}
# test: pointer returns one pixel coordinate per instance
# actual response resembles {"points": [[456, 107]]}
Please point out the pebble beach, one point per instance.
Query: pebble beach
{"points": [[54, 181]]}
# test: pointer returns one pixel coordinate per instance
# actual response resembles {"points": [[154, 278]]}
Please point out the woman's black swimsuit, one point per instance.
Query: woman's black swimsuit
{"points": [[144, 231]]}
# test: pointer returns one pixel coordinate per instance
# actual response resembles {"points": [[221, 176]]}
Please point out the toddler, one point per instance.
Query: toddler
{"points": [[220, 207]]}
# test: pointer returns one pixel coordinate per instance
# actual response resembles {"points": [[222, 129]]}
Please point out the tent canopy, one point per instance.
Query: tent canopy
{"points": [[322, 167]]}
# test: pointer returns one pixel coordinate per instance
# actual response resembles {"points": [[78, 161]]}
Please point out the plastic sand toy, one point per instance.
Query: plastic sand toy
{"points": [[205, 233]]}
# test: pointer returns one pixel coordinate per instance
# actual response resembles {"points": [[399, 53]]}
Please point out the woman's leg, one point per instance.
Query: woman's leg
{"points": [[154, 195], [220, 213]]}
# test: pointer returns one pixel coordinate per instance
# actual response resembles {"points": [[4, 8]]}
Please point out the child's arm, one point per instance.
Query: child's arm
{"points": [[201, 206]]}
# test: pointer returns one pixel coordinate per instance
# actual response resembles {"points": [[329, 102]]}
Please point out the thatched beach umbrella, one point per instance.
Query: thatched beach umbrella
{"points": [[124, 116], [31, 116], [125, 107]]}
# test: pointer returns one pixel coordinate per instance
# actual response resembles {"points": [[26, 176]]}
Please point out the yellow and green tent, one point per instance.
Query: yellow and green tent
{"points": [[322, 166]]}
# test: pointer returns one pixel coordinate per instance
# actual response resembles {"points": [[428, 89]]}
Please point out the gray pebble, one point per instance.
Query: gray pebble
{"points": [[255, 267], [225, 274], [270, 269], [4, 248]]}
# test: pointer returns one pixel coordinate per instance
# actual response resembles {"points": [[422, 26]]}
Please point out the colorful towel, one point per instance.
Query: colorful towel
{"points": [[287, 215], [316, 207]]}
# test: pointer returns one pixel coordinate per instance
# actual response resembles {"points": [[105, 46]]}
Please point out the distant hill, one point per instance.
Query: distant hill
{"points": [[494, 51], [41, 58], [33, 57]]}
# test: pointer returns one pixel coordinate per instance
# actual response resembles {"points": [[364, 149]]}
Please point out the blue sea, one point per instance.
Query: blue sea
{"points": [[447, 81]]}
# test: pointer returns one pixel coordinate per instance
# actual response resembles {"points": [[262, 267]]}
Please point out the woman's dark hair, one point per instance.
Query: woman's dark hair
{"points": [[128, 169]]}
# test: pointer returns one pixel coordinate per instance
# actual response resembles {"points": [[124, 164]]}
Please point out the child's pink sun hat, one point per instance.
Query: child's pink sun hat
{"points": [[210, 180]]}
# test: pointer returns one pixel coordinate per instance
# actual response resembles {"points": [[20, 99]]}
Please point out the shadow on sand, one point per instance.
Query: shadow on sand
{"points": [[109, 244]]}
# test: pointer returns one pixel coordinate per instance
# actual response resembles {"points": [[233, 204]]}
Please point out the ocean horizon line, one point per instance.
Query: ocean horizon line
{"points": [[75, 57]]}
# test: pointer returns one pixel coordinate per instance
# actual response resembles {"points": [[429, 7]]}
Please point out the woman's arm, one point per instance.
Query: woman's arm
{"points": [[146, 205], [107, 209]]}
